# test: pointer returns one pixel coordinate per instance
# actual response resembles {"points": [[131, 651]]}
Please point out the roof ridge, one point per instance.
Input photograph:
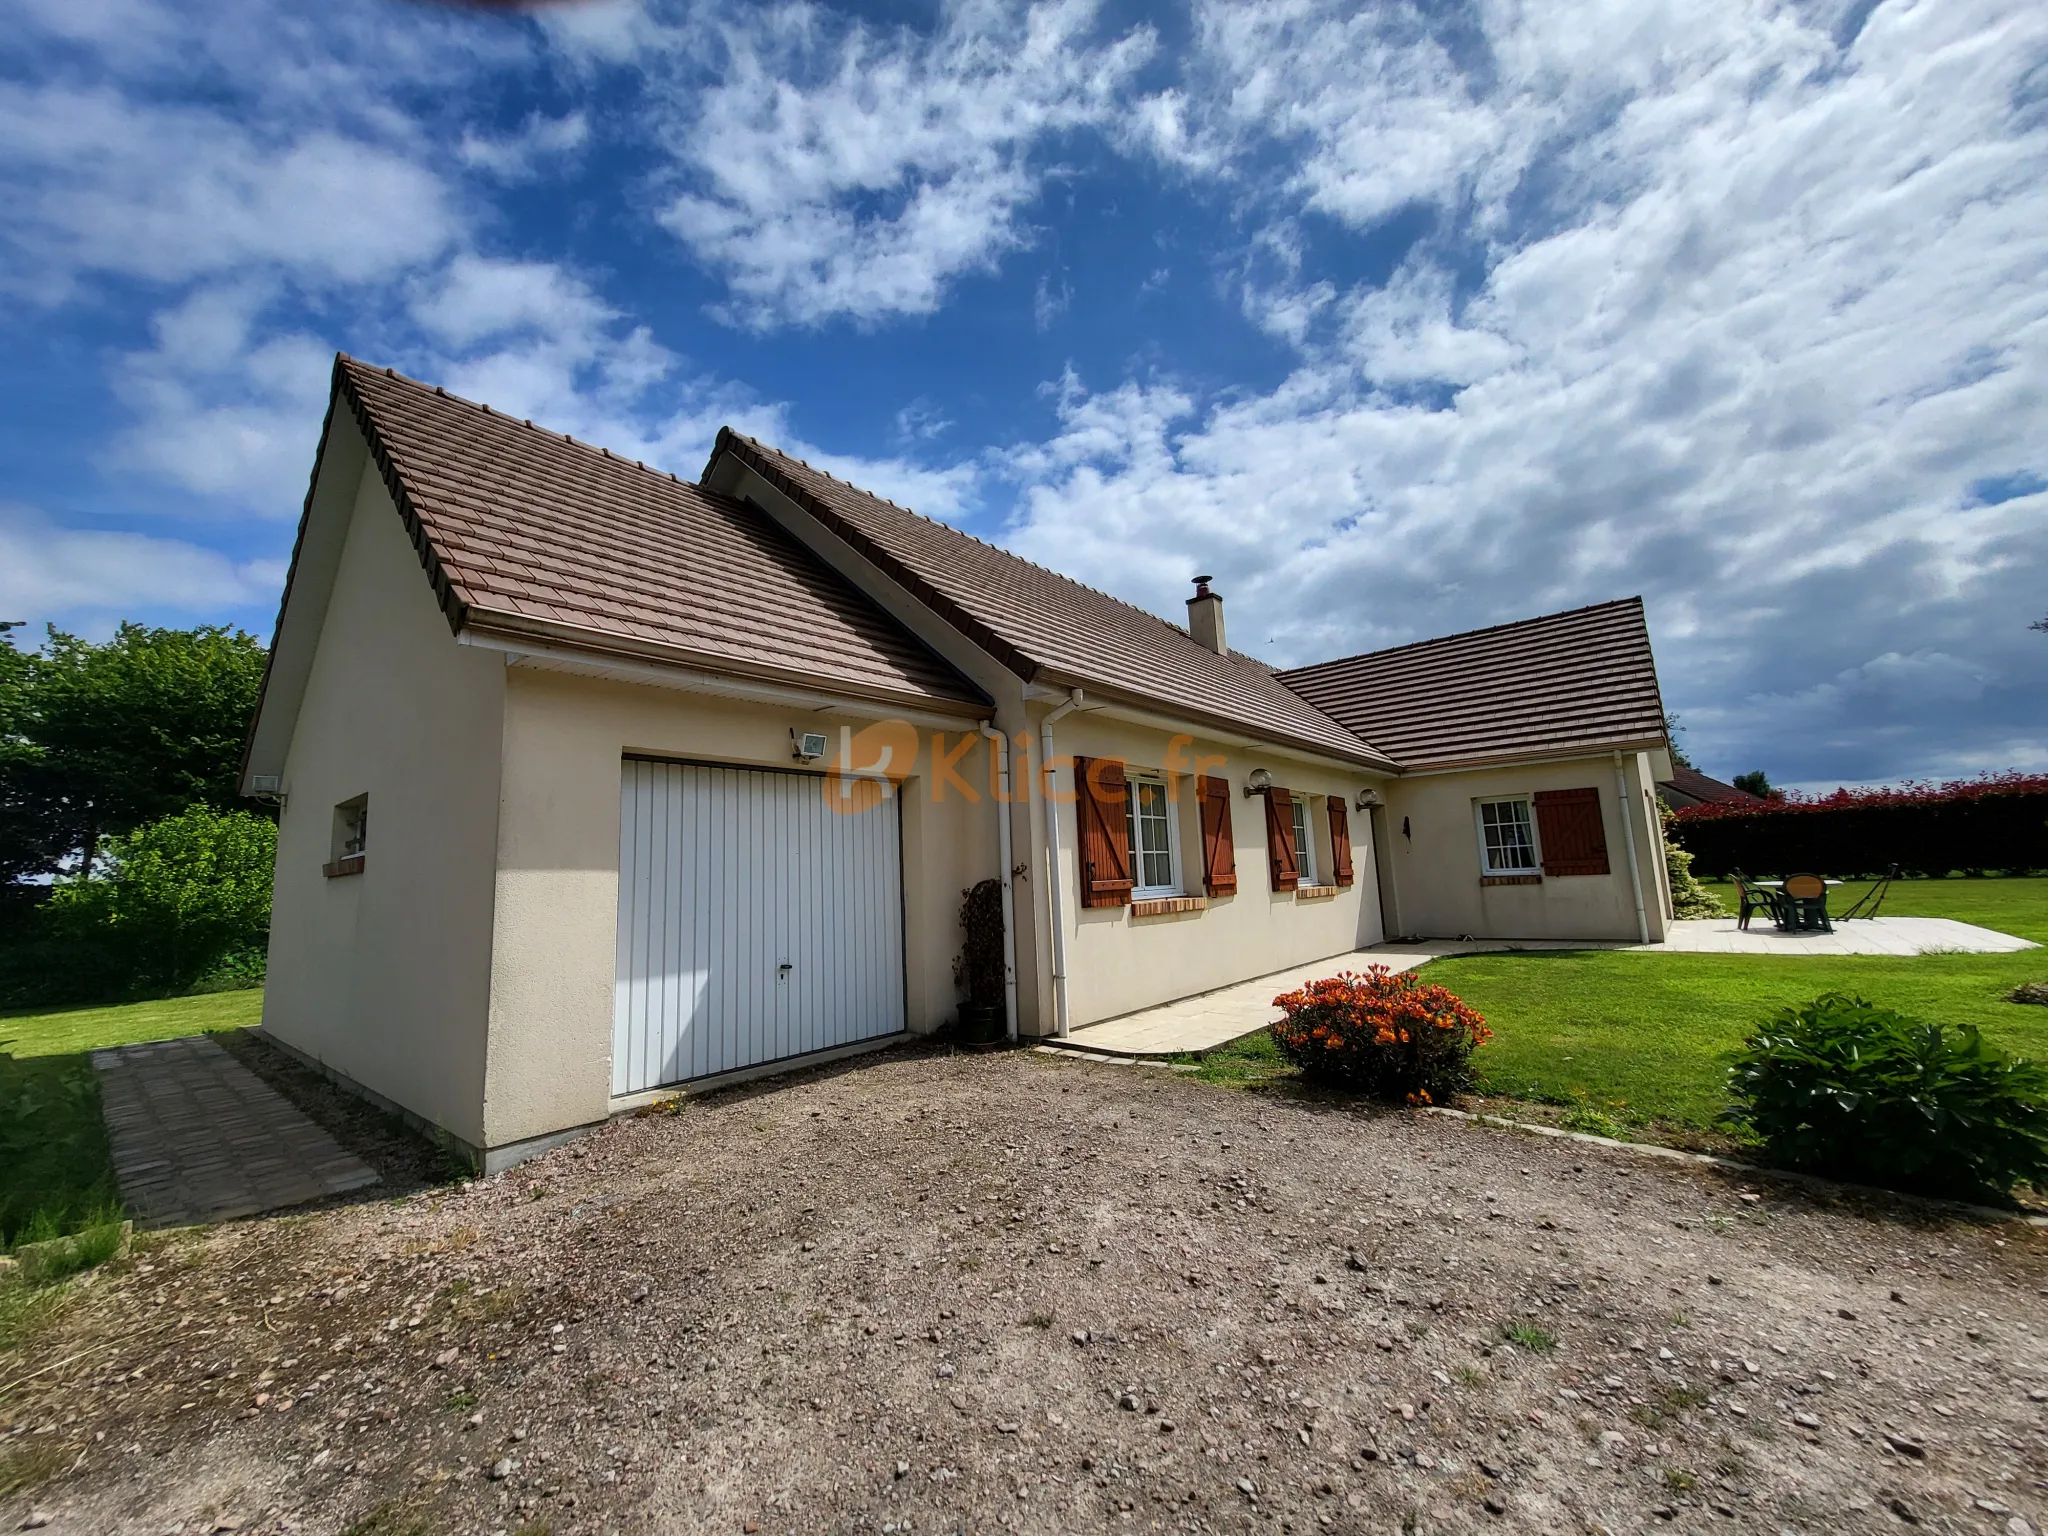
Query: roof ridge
{"points": [[1464, 634], [938, 522]]}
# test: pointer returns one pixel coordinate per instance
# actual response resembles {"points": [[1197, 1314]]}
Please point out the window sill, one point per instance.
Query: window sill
{"points": [[1160, 906], [1510, 879], [1314, 892], [352, 865]]}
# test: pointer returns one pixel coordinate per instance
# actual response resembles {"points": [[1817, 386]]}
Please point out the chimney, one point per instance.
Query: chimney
{"points": [[1205, 617]]}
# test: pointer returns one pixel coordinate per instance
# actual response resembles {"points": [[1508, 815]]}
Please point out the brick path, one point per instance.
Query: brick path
{"points": [[199, 1137]]}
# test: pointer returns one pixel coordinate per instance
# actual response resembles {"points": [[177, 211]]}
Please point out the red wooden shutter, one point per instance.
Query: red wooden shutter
{"points": [[1219, 849], [1568, 826], [1340, 839], [1100, 792], [1280, 840]]}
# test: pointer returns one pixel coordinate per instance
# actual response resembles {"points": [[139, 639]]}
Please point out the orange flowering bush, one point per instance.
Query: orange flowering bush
{"points": [[1388, 1034]]}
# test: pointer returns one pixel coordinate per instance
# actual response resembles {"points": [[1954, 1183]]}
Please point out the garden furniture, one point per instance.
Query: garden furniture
{"points": [[1752, 897]]}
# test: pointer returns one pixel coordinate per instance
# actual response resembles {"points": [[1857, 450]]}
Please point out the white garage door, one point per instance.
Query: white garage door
{"points": [[755, 923]]}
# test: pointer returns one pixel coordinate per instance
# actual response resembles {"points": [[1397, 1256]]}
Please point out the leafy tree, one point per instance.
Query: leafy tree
{"points": [[1673, 730], [135, 729], [33, 833], [1755, 783], [174, 901]]}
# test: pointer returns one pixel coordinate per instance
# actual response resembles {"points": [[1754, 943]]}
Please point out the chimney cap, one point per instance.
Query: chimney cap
{"points": [[1202, 586]]}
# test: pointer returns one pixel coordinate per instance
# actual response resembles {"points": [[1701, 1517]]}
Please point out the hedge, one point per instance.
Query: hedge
{"points": [[1997, 821]]}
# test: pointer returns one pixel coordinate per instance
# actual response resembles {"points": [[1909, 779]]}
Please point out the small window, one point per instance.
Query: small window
{"points": [[352, 828], [1507, 837], [1304, 842], [1150, 818]]}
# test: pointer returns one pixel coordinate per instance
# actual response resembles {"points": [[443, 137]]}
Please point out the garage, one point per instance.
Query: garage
{"points": [[756, 922]]}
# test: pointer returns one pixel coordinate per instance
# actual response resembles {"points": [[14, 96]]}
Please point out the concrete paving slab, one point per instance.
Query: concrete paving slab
{"points": [[197, 1136]]}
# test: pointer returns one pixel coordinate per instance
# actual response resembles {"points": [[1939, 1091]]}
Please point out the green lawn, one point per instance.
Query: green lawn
{"points": [[54, 1169], [1651, 1033]]}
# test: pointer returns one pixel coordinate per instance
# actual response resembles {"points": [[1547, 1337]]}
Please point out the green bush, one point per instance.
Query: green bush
{"points": [[1858, 1092], [1689, 899], [182, 902]]}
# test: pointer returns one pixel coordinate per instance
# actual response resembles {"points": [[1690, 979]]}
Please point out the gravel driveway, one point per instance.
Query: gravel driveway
{"points": [[926, 1293]]}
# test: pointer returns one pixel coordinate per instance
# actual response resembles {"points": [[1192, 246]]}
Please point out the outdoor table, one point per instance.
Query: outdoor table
{"points": [[1804, 914]]}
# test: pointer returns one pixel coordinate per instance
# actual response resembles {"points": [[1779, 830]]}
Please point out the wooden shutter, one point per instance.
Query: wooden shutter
{"points": [[1568, 827], [1219, 849], [1340, 839], [1100, 793], [1280, 840]]}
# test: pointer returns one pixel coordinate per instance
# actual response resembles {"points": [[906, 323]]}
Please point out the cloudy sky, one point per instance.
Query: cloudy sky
{"points": [[1401, 319]]}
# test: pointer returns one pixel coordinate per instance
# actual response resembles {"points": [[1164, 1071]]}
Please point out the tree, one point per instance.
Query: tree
{"points": [[1672, 731], [1755, 784], [34, 835], [174, 901], [133, 730]]}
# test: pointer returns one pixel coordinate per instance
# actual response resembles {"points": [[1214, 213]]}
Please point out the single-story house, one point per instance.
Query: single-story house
{"points": [[595, 781], [1688, 786]]}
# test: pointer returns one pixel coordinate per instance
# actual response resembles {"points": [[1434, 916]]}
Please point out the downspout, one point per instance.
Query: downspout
{"points": [[1628, 836], [1053, 883], [1000, 746]]}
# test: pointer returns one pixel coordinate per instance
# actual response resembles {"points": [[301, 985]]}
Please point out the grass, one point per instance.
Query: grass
{"points": [[56, 1174], [1639, 1037], [1527, 1336], [1629, 1040]]}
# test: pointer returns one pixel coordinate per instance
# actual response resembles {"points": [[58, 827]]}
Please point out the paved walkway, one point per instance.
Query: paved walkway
{"points": [[1211, 1019], [199, 1137]]}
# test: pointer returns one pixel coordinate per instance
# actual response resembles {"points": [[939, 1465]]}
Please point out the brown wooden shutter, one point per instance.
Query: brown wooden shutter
{"points": [[1340, 839], [1568, 826], [1100, 794], [1280, 853], [1219, 849]]}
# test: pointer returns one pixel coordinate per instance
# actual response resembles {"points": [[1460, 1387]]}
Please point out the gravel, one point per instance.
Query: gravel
{"points": [[928, 1293]]}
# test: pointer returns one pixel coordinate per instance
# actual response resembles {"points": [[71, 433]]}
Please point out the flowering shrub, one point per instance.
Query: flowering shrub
{"points": [[1390, 1035], [1994, 821]]}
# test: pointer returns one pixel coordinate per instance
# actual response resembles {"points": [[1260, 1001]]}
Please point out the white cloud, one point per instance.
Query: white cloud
{"points": [[832, 169], [98, 182], [540, 143], [1711, 312], [88, 576]]}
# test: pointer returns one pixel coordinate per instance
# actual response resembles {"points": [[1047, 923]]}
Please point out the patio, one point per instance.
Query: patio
{"points": [[1211, 1019]]}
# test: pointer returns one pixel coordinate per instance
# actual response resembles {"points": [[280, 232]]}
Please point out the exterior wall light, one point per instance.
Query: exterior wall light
{"points": [[1368, 798], [1257, 782]]}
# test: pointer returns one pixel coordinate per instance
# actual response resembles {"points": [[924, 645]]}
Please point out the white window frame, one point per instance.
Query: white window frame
{"points": [[1486, 864], [1139, 890], [1304, 842]]}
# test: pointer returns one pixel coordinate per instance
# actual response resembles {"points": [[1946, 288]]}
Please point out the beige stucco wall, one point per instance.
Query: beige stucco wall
{"points": [[385, 976], [558, 862], [1436, 863], [1117, 963]]}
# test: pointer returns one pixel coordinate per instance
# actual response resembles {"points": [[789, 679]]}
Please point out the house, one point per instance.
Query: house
{"points": [[1688, 786], [595, 781]]}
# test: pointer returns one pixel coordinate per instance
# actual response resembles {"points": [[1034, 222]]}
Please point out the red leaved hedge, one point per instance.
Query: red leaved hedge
{"points": [[1995, 821]]}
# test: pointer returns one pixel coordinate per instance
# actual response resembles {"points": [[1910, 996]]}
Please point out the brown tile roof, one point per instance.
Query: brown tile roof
{"points": [[524, 530], [1045, 626], [1567, 682], [1688, 786]]}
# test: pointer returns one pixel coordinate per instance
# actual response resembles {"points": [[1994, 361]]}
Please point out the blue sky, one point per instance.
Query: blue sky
{"points": [[1399, 319]]}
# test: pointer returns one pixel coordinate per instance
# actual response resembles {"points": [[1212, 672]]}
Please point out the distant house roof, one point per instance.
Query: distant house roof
{"points": [[1045, 626], [529, 532], [1569, 682], [1688, 786]]}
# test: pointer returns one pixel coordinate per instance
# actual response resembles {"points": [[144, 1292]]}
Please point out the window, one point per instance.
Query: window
{"points": [[351, 828], [1150, 818], [1507, 838], [1304, 842]]}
